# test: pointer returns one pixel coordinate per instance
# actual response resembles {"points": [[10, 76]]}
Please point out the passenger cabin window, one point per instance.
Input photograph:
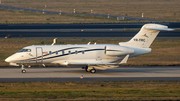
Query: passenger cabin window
{"points": [[25, 50], [49, 52], [56, 52], [76, 51], [82, 52], [62, 52], [69, 52]]}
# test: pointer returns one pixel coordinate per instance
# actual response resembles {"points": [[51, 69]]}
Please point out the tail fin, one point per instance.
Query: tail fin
{"points": [[146, 35]]}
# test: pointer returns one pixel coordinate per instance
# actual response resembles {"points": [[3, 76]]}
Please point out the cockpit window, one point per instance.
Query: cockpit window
{"points": [[25, 50]]}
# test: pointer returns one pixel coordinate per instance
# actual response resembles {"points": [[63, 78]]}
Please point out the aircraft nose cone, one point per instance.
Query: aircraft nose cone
{"points": [[8, 59]]}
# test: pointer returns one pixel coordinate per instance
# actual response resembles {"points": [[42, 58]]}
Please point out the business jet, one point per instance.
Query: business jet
{"points": [[89, 56]]}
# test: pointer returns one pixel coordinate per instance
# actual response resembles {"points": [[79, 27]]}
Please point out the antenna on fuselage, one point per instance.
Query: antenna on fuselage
{"points": [[88, 43], [54, 41]]}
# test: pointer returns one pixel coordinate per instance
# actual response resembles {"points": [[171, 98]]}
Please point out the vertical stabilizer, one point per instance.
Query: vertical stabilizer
{"points": [[145, 36]]}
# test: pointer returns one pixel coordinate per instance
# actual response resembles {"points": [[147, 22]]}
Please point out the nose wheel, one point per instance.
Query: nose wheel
{"points": [[23, 70]]}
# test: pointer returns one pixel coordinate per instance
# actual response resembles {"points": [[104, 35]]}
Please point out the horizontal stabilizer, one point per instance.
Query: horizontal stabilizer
{"points": [[160, 29]]}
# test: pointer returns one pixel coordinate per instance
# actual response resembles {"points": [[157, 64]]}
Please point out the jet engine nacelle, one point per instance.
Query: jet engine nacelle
{"points": [[118, 50]]}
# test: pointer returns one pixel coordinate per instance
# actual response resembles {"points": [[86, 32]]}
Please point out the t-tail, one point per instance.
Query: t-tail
{"points": [[145, 36]]}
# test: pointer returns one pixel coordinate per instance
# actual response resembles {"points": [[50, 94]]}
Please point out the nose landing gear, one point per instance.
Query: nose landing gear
{"points": [[23, 70]]}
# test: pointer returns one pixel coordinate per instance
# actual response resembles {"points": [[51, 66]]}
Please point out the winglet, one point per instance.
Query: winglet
{"points": [[54, 41], [124, 60], [88, 43]]}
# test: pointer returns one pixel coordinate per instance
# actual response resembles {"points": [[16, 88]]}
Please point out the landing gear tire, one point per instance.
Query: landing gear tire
{"points": [[93, 71], [23, 71], [86, 69]]}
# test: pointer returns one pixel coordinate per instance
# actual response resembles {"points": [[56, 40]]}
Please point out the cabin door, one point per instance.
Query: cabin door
{"points": [[39, 55]]}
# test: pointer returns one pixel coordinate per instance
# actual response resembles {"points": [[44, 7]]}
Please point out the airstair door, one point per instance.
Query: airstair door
{"points": [[39, 55]]}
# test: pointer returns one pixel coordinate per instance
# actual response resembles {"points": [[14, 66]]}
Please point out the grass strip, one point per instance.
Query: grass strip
{"points": [[153, 9], [128, 90]]}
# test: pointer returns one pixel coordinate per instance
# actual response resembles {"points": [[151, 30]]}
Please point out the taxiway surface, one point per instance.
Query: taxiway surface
{"points": [[79, 30], [12, 74], [79, 33]]}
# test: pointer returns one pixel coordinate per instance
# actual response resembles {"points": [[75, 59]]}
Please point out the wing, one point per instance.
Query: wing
{"points": [[97, 64]]}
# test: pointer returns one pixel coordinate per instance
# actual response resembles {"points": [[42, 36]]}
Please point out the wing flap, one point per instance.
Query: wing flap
{"points": [[96, 64]]}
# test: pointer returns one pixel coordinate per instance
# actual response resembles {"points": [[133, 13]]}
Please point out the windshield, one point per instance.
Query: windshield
{"points": [[25, 50]]}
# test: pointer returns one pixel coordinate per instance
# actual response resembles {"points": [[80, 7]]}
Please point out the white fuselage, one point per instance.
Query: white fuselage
{"points": [[65, 54]]}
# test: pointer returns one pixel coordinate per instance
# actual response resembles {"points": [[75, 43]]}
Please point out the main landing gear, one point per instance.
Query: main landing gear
{"points": [[23, 70], [90, 69], [93, 70]]}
